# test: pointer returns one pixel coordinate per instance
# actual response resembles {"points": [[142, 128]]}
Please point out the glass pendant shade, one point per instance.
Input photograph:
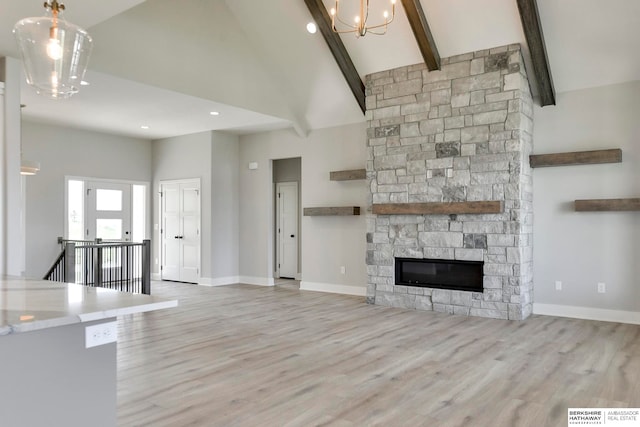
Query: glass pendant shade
{"points": [[55, 54]]}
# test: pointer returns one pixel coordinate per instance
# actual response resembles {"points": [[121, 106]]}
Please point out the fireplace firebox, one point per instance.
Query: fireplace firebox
{"points": [[441, 274]]}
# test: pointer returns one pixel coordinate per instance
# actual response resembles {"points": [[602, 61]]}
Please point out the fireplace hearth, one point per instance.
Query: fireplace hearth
{"points": [[439, 274]]}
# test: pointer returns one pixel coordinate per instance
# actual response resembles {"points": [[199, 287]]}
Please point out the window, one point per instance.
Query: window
{"points": [[75, 209], [139, 213]]}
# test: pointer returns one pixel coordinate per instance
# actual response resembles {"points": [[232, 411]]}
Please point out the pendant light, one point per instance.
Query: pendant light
{"points": [[55, 53]]}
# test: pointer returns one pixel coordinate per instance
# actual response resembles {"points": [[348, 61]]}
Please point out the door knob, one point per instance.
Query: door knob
{"points": [[293, 235]]}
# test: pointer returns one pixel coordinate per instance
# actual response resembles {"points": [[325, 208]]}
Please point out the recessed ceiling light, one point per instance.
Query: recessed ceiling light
{"points": [[144, 127], [312, 28], [214, 113], [84, 83]]}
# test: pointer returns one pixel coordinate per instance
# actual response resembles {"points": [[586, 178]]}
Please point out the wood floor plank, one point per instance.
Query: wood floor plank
{"points": [[245, 355]]}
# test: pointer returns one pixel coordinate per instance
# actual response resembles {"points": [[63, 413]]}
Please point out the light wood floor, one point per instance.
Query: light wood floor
{"points": [[254, 356]]}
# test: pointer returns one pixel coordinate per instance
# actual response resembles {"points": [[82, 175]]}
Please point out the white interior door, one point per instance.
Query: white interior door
{"points": [[190, 234], [180, 234], [287, 232], [170, 232], [108, 211]]}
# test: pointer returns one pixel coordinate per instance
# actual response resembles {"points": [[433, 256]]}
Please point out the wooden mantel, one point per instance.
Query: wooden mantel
{"points": [[439, 208]]}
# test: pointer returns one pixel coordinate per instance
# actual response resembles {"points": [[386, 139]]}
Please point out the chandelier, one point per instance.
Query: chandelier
{"points": [[54, 53], [360, 23]]}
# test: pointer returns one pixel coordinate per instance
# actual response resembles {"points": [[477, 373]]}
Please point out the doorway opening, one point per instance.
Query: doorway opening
{"points": [[287, 180]]}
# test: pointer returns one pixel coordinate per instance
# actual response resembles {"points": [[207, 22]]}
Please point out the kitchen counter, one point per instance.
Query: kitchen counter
{"points": [[58, 344], [30, 305]]}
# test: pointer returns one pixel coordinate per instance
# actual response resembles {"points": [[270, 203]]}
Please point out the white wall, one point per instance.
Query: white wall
{"points": [[584, 248], [327, 242], [12, 249], [70, 152], [212, 157]]}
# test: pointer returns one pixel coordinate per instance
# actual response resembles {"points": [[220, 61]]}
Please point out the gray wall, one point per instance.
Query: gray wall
{"points": [[184, 157], [212, 157], [287, 170], [225, 206], [327, 242], [584, 248], [70, 152]]}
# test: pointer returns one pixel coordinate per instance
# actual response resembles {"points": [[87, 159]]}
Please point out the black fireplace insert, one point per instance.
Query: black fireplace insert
{"points": [[439, 273]]}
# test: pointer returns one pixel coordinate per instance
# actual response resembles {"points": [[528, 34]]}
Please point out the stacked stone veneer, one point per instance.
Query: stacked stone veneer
{"points": [[463, 133]]}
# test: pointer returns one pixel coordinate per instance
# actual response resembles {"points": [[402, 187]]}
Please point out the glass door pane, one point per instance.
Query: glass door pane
{"points": [[109, 229], [108, 200]]}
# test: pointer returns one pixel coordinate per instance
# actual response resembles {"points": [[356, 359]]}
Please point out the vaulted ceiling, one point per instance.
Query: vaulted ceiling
{"points": [[167, 64]]}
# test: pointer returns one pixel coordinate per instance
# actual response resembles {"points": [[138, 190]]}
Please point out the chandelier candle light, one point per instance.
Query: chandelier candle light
{"points": [[55, 53], [360, 27]]}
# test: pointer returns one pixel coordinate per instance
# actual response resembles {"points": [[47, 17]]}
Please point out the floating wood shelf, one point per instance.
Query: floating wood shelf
{"points": [[576, 158], [482, 207], [602, 205], [332, 211], [348, 175]]}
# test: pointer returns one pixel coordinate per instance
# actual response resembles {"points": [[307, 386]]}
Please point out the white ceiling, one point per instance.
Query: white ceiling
{"points": [[85, 13], [114, 105], [166, 64]]}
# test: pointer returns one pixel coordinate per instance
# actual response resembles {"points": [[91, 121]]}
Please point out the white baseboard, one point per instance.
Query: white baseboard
{"points": [[260, 281], [219, 281], [156, 276], [588, 313], [334, 289]]}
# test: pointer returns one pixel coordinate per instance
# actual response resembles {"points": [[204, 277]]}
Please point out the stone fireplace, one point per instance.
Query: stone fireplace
{"points": [[461, 134]]}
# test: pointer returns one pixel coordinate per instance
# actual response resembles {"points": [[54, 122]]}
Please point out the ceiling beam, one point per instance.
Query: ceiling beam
{"points": [[422, 33], [323, 21], [535, 39]]}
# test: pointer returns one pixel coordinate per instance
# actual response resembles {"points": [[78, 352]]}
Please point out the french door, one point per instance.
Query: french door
{"points": [[180, 234]]}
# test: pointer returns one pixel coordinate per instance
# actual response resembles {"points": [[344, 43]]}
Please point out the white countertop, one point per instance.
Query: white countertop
{"points": [[29, 305]]}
